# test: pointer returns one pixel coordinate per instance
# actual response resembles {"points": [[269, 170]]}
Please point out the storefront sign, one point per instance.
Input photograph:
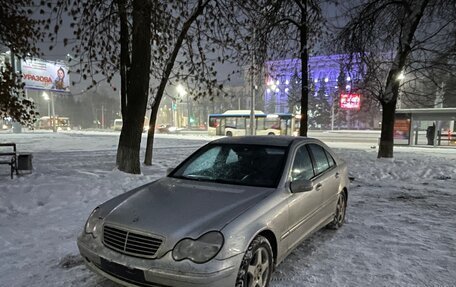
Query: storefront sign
{"points": [[350, 101]]}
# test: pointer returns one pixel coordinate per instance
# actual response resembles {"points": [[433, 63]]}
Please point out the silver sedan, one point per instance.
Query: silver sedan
{"points": [[226, 216]]}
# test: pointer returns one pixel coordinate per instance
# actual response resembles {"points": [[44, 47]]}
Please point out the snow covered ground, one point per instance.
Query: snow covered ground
{"points": [[400, 229]]}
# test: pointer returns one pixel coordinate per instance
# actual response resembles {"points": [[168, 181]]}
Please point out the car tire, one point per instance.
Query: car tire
{"points": [[339, 214], [229, 134], [271, 134], [257, 264]]}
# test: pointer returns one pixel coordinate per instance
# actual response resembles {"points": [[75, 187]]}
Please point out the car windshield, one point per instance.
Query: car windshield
{"points": [[241, 164]]}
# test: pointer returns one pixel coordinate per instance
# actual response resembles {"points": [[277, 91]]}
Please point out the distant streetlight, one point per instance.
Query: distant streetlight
{"points": [[46, 98], [181, 92], [401, 76]]}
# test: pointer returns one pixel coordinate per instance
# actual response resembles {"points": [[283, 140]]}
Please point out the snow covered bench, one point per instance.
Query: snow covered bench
{"points": [[9, 157]]}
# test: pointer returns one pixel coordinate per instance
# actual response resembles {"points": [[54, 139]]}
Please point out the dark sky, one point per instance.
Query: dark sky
{"points": [[60, 52]]}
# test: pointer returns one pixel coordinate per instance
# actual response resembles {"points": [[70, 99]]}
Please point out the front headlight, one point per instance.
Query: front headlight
{"points": [[200, 250], [92, 222]]}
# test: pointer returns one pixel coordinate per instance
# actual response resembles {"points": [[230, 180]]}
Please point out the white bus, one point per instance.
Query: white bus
{"points": [[237, 123]]}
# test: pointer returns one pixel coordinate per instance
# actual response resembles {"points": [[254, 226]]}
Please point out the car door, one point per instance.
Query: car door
{"points": [[327, 177], [303, 206]]}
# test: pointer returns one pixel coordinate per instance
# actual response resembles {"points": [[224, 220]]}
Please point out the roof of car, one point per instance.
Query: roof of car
{"points": [[260, 140]]}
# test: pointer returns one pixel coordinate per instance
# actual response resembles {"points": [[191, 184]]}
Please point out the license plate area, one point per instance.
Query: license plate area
{"points": [[118, 270]]}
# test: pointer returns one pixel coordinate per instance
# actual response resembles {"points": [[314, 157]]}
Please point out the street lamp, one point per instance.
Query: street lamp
{"points": [[181, 92], [46, 98]]}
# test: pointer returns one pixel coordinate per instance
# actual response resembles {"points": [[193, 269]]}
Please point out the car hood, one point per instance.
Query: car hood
{"points": [[174, 208]]}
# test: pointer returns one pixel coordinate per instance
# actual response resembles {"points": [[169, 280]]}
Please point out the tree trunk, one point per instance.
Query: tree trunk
{"points": [[150, 135], [137, 88], [304, 72], [387, 136], [392, 84], [124, 63], [164, 80]]}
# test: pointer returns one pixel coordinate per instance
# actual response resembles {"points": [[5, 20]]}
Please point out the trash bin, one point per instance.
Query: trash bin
{"points": [[24, 162]]}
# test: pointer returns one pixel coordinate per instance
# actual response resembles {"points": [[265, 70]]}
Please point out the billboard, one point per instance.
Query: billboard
{"points": [[43, 75], [350, 101], [402, 129]]}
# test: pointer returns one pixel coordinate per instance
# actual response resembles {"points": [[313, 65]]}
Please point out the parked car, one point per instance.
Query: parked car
{"points": [[117, 126], [166, 129], [226, 216]]}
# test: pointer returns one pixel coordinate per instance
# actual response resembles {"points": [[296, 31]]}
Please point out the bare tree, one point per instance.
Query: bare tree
{"points": [[396, 40], [194, 22], [114, 37], [170, 41], [288, 29]]}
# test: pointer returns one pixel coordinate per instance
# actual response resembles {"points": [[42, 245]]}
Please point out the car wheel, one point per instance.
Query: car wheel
{"points": [[257, 264], [339, 215], [271, 134], [229, 134]]}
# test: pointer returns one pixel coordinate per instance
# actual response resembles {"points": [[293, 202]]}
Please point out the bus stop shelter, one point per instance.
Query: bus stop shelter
{"points": [[430, 126]]}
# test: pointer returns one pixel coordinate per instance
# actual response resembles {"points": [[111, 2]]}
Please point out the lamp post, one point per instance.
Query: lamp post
{"points": [[182, 92], [46, 98], [51, 107]]}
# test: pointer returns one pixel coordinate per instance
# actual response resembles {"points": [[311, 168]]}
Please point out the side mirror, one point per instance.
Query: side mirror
{"points": [[302, 185], [169, 170]]}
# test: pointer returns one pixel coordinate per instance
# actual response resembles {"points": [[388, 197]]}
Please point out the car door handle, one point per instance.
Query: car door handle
{"points": [[318, 187], [337, 175]]}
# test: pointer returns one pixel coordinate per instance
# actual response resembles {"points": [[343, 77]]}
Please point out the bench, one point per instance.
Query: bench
{"points": [[450, 139], [9, 157]]}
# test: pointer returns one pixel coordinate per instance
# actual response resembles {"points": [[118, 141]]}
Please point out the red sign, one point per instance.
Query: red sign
{"points": [[350, 101]]}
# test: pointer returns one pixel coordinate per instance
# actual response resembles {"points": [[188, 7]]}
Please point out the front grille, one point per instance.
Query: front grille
{"points": [[130, 242]]}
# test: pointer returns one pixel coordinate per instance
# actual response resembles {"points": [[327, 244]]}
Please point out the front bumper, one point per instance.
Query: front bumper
{"points": [[132, 271]]}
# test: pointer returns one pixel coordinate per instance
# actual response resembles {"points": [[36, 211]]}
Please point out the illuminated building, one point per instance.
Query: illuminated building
{"points": [[323, 70]]}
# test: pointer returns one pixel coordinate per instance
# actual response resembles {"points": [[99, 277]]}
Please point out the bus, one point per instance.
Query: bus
{"points": [[237, 123], [61, 123]]}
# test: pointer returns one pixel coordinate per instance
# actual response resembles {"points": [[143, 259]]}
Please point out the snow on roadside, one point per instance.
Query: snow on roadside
{"points": [[400, 225]]}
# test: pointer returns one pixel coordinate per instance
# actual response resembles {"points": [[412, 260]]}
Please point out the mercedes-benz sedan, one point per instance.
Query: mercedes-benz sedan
{"points": [[226, 216]]}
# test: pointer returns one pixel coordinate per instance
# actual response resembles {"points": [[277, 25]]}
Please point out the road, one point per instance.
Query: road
{"points": [[368, 137]]}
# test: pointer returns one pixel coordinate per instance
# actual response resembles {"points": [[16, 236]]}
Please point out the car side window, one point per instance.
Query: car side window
{"points": [[302, 165], [232, 157], [331, 160], [321, 161]]}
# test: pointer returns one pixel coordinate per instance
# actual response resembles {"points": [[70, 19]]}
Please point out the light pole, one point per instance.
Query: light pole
{"points": [[46, 98], [51, 98], [182, 92]]}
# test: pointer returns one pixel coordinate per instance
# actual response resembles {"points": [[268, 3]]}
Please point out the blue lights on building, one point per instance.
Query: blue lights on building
{"points": [[323, 70]]}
